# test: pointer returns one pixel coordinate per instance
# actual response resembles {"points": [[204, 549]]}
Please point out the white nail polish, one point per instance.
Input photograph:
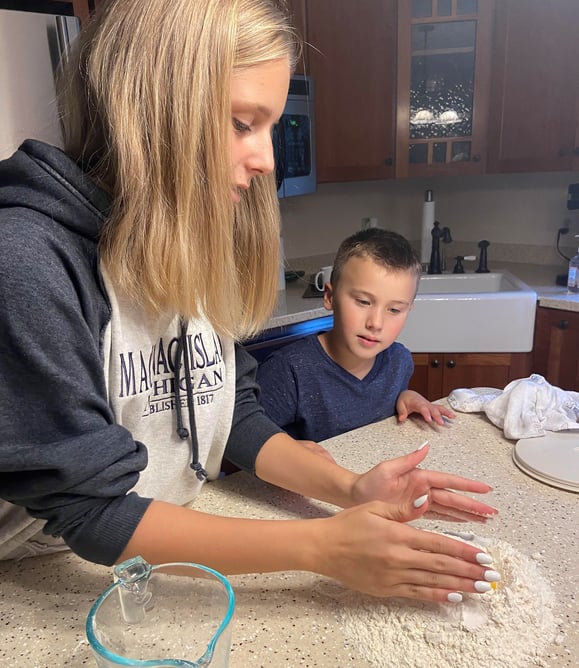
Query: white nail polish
{"points": [[455, 597], [481, 586], [484, 558], [492, 576], [422, 446], [420, 501], [465, 535]]}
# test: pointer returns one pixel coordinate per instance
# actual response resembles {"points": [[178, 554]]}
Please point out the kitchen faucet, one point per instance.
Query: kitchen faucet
{"points": [[438, 234]]}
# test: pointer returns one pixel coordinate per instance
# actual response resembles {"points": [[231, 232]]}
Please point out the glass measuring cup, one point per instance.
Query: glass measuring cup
{"points": [[175, 614]]}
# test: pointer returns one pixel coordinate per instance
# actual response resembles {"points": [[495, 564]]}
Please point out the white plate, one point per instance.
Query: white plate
{"points": [[435, 121], [552, 459]]}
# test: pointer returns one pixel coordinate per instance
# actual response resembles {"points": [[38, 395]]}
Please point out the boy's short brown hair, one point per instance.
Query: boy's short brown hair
{"points": [[385, 247]]}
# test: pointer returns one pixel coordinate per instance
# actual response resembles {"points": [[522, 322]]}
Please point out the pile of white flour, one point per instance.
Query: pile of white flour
{"points": [[509, 627]]}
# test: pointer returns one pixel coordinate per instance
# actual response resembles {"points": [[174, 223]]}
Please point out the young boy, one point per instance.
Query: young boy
{"points": [[356, 373]]}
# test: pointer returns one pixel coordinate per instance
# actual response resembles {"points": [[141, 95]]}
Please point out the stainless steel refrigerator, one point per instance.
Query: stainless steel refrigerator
{"points": [[31, 46]]}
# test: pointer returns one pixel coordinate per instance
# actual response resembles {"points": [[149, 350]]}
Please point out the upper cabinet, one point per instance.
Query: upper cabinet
{"points": [[443, 86], [297, 10], [438, 87], [534, 117], [352, 59], [80, 8]]}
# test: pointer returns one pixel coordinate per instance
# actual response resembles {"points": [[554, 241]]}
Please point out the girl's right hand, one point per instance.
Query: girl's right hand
{"points": [[367, 549]]}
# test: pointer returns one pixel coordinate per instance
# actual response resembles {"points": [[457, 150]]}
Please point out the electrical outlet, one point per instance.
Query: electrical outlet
{"points": [[367, 223]]}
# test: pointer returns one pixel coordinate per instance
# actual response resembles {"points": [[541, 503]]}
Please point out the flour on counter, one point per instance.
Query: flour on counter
{"points": [[510, 627]]}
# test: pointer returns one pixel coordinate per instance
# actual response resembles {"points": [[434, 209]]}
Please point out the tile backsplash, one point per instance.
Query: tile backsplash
{"points": [[519, 214]]}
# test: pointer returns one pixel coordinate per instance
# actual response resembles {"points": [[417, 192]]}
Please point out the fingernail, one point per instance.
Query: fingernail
{"points": [[481, 586], [484, 558], [420, 501], [422, 446], [455, 597], [465, 535], [492, 576]]}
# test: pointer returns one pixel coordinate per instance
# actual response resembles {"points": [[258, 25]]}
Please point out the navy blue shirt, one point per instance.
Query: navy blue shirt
{"points": [[313, 398]]}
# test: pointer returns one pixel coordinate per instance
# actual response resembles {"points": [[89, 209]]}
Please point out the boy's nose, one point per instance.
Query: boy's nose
{"points": [[375, 320]]}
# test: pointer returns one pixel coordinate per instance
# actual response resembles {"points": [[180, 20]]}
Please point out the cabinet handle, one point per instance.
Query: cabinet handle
{"points": [[476, 157], [563, 324], [451, 364], [388, 162], [435, 364]]}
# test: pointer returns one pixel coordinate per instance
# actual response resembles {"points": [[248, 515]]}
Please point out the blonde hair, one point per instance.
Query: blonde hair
{"points": [[145, 107]]}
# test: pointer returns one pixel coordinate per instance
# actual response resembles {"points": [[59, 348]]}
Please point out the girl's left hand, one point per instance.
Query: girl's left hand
{"points": [[399, 481], [410, 401]]}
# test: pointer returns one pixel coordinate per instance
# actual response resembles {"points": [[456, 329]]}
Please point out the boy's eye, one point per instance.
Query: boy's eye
{"points": [[363, 302], [240, 126], [394, 311]]}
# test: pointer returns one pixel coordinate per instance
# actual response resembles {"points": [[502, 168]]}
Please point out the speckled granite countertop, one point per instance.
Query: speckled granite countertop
{"points": [[287, 619], [293, 308]]}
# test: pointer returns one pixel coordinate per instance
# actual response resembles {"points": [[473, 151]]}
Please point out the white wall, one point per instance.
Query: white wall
{"points": [[514, 210], [27, 92]]}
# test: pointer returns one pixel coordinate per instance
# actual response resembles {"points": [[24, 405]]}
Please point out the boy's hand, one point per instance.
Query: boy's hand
{"points": [[410, 401]]}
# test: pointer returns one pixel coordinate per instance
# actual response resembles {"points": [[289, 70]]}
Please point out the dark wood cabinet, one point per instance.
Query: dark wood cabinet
{"points": [[81, 8], [556, 347], [534, 117], [297, 10], [443, 75], [352, 59], [437, 374], [365, 56]]}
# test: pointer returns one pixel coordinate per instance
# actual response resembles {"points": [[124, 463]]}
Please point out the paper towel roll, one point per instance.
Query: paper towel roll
{"points": [[427, 224]]}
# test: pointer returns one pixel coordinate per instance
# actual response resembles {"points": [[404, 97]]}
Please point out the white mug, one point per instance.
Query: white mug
{"points": [[324, 276]]}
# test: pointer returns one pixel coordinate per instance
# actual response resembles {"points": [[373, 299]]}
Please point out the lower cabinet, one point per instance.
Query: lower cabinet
{"points": [[556, 347], [437, 374]]}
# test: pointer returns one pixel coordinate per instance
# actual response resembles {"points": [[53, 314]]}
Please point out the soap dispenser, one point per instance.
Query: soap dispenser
{"points": [[573, 275]]}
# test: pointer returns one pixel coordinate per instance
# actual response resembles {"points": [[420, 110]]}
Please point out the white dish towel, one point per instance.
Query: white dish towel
{"points": [[526, 408]]}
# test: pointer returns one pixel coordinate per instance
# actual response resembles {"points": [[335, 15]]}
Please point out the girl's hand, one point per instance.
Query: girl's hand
{"points": [[409, 402], [365, 550], [399, 481]]}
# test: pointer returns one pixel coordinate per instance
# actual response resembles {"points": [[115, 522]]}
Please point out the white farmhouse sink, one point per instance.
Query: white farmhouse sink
{"points": [[497, 281], [471, 313]]}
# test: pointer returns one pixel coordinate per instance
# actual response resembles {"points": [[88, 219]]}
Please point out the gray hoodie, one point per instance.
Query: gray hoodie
{"points": [[102, 408]]}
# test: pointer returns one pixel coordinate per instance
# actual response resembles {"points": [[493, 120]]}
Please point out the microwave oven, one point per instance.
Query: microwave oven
{"points": [[294, 140]]}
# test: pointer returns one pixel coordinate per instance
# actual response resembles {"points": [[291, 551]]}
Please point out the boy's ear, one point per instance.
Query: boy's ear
{"points": [[328, 296]]}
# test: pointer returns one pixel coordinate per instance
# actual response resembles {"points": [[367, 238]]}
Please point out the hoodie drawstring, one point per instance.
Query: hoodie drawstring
{"points": [[182, 431]]}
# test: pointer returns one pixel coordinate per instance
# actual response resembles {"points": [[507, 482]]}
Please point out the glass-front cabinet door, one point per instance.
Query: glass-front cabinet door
{"points": [[443, 86]]}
